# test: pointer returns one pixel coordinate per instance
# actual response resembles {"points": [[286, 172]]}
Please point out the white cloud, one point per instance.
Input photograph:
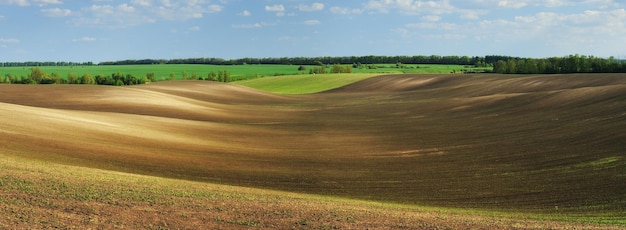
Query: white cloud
{"points": [[101, 10], [245, 13], [84, 39], [194, 28], [433, 25], [166, 3], [138, 12], [125, 8], [554, 3], [275, 8], [279, 9], [472, 14], [586, 32], [431, 18], [47, 2], [112, 17], [552, 33], [15, 2], [248, 26], [516, 4], [512, 4], [411, 7], [39, 3], [312, 22], [143, 3], [9, 40], [314, 7], [56, 12], [253, 25], [214, 9], [343, 10]]}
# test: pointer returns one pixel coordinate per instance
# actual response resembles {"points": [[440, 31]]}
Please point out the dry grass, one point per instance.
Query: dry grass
{"points": [[550, 146]]}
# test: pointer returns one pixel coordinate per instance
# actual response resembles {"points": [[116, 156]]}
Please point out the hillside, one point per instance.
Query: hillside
{"points": [[537, 144]]}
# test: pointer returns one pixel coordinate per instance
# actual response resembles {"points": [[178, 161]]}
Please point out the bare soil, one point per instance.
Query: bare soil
{"points": [[500, 142]]}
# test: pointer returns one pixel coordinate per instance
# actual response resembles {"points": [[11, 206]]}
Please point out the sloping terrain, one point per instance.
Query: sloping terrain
{"points": [[526, 143]]}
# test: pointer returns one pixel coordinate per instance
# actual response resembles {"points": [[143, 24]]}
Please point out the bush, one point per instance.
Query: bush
{"points": [[336, 68], [318, 70]]}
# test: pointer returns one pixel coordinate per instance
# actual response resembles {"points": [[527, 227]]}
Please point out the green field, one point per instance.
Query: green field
{"points": [[303, 84], [238, 72]]}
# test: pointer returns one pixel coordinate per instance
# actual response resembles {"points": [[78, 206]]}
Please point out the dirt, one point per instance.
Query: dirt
{"points": [[471, 141]]}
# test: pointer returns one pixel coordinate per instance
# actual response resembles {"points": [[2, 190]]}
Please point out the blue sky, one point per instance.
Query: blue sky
{"points": [[108, 30]]}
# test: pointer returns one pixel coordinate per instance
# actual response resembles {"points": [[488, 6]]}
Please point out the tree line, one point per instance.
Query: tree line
{"points": [[553, 65], [371, 59], [39, 76], [32, 63], [501, 64]]}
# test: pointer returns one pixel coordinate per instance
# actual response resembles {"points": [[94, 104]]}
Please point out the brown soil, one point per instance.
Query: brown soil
{"points": [[473, 141]]}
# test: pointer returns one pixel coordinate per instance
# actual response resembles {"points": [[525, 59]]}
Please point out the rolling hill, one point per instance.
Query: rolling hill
{"points": [[520, 143]]}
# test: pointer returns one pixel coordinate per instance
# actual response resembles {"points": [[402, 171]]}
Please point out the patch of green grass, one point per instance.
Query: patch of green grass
{"points": [[304, 84]]}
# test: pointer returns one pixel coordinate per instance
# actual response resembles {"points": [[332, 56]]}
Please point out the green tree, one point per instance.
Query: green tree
{"points": [[101, 79], [212, 76], [151, 77], [226, 76], [118, 76], [130, 80], [511, 66], [400, 65], [55, 78], [336, 68], [499, 67], [38, 75], [317, 70], [220, 76], [11, 78], [143, 80], [72, 78], [87, 79]]}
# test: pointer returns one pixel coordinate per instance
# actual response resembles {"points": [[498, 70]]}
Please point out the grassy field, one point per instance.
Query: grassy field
{"points": [[304, 84], [238, 72], [395, 151]]}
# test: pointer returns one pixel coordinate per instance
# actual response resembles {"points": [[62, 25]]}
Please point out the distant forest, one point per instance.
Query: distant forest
{"points": [[500, 64]]}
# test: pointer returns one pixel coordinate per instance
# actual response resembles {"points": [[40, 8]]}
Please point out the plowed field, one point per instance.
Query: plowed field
{"points": [[531, 143]]}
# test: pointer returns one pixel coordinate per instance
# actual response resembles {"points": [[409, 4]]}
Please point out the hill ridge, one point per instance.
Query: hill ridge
{"points": [[478, 141]]}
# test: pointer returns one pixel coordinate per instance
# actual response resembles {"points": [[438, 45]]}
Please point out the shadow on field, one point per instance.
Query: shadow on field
{"points": [[522, 142]]}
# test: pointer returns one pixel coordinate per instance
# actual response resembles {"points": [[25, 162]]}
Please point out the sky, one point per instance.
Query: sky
{"points": [[110, 30]]}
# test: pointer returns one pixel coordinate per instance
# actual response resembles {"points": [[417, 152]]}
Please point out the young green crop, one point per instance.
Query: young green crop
{"points": [[38, 194], [303, 84]]}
